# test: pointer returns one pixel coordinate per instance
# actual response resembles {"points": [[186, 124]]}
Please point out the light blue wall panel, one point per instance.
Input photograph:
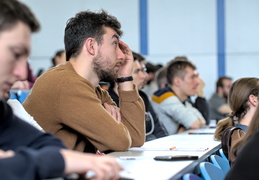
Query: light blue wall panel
{"points": [[127, 12], [182, 26], [242, 42], [185, 27]]}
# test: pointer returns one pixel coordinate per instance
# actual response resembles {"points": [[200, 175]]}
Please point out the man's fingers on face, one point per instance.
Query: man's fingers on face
{"points": [[123, 47]]}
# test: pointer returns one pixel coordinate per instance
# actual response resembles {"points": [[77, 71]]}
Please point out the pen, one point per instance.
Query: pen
{"points": [[172, 148]]}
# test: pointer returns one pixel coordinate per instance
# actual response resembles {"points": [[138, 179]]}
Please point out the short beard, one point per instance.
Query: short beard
{"points": [[225, 96], [106, 75]]}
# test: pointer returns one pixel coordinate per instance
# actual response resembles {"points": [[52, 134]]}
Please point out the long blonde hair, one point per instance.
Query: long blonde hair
{"points": [[237, 100]]}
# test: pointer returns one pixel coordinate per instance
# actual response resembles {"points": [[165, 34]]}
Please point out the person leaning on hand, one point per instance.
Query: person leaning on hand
{"points": [[68, 101], [25, 152]]}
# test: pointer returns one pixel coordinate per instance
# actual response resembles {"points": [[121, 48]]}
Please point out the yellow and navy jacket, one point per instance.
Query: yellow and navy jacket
{"points": [[172, 112]]}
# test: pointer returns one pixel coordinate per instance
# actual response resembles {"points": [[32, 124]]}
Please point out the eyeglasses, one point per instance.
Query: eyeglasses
{"points": [[144, 70]]}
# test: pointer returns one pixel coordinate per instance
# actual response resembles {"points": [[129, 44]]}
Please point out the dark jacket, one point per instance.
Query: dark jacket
{"points": [[247, 161], [36, 153]]}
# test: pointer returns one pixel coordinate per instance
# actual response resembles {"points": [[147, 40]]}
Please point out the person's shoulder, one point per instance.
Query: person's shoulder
{"points": [[163, 91], [213, 96], [162, 94], [216, 100]]}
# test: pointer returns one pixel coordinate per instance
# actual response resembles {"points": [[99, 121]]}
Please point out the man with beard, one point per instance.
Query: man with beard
{"points": [[218, 104], [68, 101]]}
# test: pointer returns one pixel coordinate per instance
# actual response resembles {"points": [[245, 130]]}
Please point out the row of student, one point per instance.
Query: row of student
{"points": [[215, 108], [174, 123], [200, 103], [240, 106], [67, 100], [217, 103], [175, 112], [238, 102], [85, 129]]}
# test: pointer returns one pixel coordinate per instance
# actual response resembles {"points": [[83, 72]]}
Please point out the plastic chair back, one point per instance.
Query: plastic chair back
{"points": [[22, 95], [221, 163], [191, 176], [12, 95], [221, 153], [211, 172]]}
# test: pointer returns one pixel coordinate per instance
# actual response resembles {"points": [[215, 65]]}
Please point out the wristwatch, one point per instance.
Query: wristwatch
{"points": [[124, 79]]}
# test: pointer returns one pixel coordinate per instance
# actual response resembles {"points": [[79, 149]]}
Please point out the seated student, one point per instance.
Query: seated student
{"points": [[59, 58], [25, 152], [218, 105], [246, 151], [198, 101], [171, 102], [68, 101], [243, 101], [153, 127]]}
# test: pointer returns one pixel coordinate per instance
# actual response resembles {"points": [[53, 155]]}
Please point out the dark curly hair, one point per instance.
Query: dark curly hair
{"points": [[84, 25]]}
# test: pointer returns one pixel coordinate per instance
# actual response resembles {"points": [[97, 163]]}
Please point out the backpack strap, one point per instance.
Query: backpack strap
{"points": [[226, 139]]}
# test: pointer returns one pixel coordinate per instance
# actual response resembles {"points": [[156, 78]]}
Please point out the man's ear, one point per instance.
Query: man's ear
{"points": [[90, 45], [177, 81]]}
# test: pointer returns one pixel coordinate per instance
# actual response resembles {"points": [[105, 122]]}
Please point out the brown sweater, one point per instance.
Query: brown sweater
{"points": [[71, 108]]}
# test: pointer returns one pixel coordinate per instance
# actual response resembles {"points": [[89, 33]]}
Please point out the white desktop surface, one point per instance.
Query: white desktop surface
{"points": [[141, 164]]}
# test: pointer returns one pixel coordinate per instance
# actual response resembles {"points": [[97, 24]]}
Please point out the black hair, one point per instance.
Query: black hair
{"points": [[84, 25], [13, 11]]}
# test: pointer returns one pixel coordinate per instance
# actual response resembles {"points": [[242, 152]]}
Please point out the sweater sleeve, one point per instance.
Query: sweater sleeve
{"points": [[28, 163], [132, 110]]}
